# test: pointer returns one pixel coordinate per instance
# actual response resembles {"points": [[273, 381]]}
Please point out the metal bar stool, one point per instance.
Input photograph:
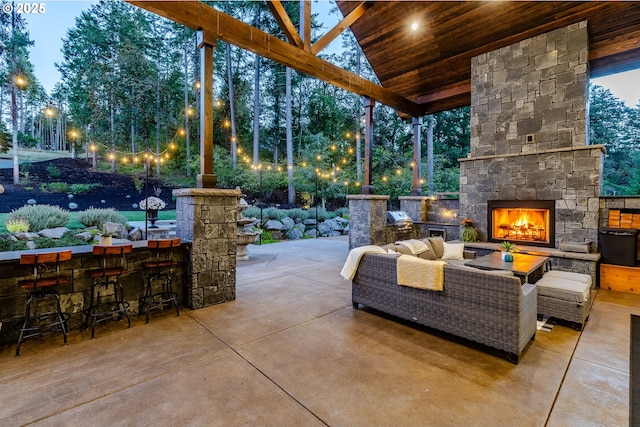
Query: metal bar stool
{"points": [[46, 276], [160, 295], [107, 296]]}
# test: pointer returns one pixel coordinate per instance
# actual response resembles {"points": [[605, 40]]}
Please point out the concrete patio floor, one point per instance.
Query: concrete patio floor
{"points": [[291, 351]]}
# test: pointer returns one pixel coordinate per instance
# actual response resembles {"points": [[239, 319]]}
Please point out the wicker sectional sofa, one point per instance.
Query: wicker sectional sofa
{"points": [[489, 309]]}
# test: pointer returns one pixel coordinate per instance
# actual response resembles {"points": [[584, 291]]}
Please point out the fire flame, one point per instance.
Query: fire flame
{"points": [[520, 224]]}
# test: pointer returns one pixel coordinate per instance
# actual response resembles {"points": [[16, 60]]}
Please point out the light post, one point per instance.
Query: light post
{"points": [[74, 140], [49, 112]]}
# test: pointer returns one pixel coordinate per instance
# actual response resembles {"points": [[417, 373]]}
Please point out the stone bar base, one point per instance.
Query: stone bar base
{"points": [[367, 220], [208, 218]]}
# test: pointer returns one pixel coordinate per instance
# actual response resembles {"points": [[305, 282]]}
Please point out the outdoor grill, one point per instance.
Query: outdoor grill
{"points": [[401, 220]]}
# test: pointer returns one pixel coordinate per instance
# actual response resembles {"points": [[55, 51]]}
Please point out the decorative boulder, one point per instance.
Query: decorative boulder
{"points": [[334, 225], [87, 236], [311, 233], [116, 230], [135, 234], [26, 236], [53, 233], [309, 221], [294, 234], [273, 224], [288, 223], [324, 229]]}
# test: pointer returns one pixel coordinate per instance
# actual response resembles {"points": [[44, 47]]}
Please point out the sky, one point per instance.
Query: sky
{"points": [[48, 29]]}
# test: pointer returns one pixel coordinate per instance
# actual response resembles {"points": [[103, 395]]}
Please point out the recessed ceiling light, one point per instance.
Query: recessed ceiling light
{"points": [[414, 26]]}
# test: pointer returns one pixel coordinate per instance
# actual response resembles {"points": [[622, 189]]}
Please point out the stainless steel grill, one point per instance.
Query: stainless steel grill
{"points": [[401, 220]]}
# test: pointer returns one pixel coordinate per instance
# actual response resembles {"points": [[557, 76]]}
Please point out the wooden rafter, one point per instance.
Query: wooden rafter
{"points": [[285, 23], [352, 17], [218, 25], [305, 15]]}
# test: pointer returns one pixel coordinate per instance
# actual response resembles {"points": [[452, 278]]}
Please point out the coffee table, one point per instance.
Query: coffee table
{"points": [[522, 265]]}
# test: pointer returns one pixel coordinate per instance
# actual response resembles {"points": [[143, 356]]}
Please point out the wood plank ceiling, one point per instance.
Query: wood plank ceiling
{"points": [[431, 66]]}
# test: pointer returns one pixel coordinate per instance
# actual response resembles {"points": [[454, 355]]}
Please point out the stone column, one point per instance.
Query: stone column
{"points": [[208, 218], [367, 220], [415, 206]]}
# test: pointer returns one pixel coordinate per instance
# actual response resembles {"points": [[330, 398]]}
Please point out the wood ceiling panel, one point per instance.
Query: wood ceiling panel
{"points": [[423, 67]]}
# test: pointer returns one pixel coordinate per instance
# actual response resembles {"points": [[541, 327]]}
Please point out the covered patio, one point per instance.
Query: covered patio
{"points": [[291, 351]]}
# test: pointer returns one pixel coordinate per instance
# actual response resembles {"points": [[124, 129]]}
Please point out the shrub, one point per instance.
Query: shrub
{"points": [[55, 187], [273, 213], [251, 212], [83, 188], [40, 217], [98, 216], [17, 225], [68, 239], [7, 245], [343, 212], [298, 213], [53, 171]]}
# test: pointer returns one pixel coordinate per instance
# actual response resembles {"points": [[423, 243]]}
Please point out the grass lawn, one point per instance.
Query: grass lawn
{"points": [[75, 224]]}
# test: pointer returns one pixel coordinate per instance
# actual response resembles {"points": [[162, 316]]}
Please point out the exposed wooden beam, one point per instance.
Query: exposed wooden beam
{"points": [[305, 17], [451, 92], [352, 17], [285, 23], [199, 16]]}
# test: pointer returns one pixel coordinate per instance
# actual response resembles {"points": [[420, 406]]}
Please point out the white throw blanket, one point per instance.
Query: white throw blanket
{"points": [[351, 264], [420, 273], [415, 246]]}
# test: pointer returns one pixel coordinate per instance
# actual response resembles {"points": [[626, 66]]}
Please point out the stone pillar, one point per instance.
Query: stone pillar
{"points": [[208, 218], [415, 206], [367, 220]]}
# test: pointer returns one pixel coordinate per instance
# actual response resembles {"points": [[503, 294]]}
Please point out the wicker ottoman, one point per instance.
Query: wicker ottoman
{"points": [[565, 295]]}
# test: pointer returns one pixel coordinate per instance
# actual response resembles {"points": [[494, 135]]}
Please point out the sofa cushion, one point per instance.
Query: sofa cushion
{"points": [[453, 251], [563, 289], [461, 266], [568, 275], [437, 243]]}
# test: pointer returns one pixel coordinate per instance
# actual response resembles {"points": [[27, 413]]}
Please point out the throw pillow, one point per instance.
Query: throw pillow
{"points": [[453, 250], [428, 254], [437, 243]]}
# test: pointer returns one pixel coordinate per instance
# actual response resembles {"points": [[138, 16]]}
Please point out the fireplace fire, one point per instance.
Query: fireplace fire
{"points": [[530, 222]]}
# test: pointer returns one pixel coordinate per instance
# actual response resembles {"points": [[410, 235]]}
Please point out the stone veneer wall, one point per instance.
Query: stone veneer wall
{"points": [[208, 218], [367, 220], [529, 132]]}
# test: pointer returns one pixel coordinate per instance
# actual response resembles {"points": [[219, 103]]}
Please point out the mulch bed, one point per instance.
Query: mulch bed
{"points": [[116, 191]]}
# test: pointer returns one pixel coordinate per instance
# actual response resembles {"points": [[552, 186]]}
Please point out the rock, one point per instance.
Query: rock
{"points": [[294, 234], [324, 229], [243, 204], [73, 205], [135, 234], [85, 235], [341, 220], [31, 245], [310, 233], [53, 233], [134, 206], [273, 224], [334, 225], [1, 189], [277, 235], [309, 221], [116, 230], [300, 227], [31, 202], [288, 223]]}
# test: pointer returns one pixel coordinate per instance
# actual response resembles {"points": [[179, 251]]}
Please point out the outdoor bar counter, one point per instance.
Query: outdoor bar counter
{"points": [[75, 294]]}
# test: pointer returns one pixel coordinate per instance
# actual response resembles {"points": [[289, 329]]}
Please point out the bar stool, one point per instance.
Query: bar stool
{"points": [[46, 276], [107, 296], [160, 295]]}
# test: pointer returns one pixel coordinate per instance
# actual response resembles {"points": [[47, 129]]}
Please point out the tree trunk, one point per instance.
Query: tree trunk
{"points": [[290, 187], [14, 135], [430, 153], [256, 111]]}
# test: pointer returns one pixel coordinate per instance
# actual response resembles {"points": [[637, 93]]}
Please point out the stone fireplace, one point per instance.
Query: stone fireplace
{"points": [[529, 138]]}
